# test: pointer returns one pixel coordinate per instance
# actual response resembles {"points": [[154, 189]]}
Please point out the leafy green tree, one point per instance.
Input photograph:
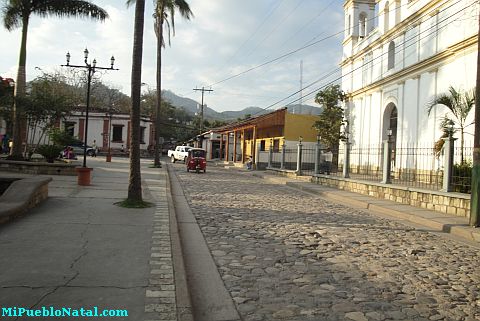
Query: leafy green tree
{"points": [[105, 97], [16, 13], [165, 19], [330, 120], [62, 138], [459, 103], [217, 123], [48, 99]]}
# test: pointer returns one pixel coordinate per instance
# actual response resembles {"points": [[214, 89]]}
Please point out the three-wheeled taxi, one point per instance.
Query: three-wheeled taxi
{"points": [[196, 160]]}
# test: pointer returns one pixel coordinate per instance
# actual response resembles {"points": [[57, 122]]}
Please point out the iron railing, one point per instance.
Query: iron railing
{"points": [[418, 165]]}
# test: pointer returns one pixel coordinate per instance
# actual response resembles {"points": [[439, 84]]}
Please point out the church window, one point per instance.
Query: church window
{"points": [[391, 56]]}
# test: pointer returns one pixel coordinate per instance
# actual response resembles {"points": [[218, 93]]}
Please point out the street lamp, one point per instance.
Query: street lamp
{"points": [[91, 68]]}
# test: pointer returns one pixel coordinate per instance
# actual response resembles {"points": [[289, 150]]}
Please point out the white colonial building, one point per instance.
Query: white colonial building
{"points": [[102, 127], [397, 57]]}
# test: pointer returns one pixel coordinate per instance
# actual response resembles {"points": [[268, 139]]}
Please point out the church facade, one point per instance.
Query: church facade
{"points": [[398, 56]]}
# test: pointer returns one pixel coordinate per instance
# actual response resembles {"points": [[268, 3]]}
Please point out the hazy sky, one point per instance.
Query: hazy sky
{"points": [[225, 38]]}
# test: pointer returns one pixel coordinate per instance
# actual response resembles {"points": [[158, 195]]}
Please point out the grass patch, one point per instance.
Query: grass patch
{"points": [[134, 204]]}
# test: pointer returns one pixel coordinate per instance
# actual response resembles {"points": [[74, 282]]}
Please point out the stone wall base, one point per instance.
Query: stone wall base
{"points": [[38, 168], [450, 203]]}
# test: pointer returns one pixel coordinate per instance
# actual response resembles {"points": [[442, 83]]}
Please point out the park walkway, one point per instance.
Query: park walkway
{"points": [[80, 250]]}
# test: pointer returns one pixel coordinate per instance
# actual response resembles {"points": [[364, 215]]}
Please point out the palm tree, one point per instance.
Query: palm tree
{"points": [[165, 16], [459, 103], [17, 13], [135, 180]]}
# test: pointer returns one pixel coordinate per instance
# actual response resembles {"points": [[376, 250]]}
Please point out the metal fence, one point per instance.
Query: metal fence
{"points": [[462, 170], [418, 165], [366, 162], [276, 159], [308, 161]]}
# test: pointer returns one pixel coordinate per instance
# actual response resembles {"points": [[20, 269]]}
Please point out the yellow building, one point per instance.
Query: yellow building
{"points": [[274, 130]]}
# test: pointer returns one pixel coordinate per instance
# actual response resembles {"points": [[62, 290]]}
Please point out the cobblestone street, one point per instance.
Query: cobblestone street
{"points": [[288, 255]]}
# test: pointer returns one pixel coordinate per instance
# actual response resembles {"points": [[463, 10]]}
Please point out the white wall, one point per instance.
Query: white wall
{"points": [[95, 130], [414, 92]]}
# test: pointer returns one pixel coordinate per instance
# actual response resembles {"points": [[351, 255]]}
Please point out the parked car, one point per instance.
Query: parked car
{"points": [[78, 150], [180, 153]]}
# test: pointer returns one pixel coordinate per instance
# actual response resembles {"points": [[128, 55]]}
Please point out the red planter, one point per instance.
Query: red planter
{"points": [[109, 158], [83, 175]]}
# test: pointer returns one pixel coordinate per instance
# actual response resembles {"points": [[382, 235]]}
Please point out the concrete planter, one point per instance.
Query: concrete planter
{"points": [[83, 175]]}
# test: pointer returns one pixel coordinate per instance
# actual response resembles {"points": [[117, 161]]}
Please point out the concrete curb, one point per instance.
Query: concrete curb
{"points": [[437, 221], [184, 305], [210, 299]]}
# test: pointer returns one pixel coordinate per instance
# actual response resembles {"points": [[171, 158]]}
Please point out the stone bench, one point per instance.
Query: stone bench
{"points": [[21, 196]]}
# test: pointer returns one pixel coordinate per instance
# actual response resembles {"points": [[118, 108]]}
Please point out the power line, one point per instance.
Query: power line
{"points": [[275, 28], [322, 11], [310, 44], [381, 56], [305, 46], [376, 58], [264, 20]]}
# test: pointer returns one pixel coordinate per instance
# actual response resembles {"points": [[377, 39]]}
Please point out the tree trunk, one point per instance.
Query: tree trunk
{"points": [[135, 181], [20, 85], [159, 33], [474, 201]]}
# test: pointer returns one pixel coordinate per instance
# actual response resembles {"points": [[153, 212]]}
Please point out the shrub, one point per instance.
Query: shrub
{"points": [[462, 177], [62, 138], [50, 152]]}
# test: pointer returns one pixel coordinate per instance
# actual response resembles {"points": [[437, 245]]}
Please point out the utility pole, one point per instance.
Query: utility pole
{"points": [[474, 201], [203, 90]]}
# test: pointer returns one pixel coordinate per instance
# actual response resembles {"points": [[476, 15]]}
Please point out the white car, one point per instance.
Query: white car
{"points": [[180, 153]]}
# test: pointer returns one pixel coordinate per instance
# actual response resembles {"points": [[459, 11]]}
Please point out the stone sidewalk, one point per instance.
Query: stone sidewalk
{"points": [[454, 225], [80, 250]]}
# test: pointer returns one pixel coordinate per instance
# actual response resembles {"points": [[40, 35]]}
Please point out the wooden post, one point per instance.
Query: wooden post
{"points": [[221, 145], [254, 147], [234, 146]]}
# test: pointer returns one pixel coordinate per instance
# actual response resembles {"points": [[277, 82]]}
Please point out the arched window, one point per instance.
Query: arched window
{"points": [[391, 55], [362, 28], [386, 20]]}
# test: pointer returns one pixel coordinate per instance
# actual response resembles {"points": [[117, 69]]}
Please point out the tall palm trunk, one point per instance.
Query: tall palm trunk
{"points": [[135, 181], [159, 34], [20, 89]]}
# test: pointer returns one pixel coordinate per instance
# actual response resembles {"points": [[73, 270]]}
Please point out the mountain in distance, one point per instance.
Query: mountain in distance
{"points": [[190, 106]]}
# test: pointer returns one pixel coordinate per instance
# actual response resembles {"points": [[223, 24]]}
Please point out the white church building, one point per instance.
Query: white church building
{"points": [[398, 56]]}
